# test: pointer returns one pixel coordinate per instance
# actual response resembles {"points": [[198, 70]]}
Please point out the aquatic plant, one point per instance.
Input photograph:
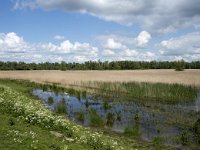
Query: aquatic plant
{"points": [[106, 105], [80, 116], [110, 119], [184, 138], [163, 92], [119, 116], [132, 131], [60, 108], [50, 100], [197, 130], [95, 119]]}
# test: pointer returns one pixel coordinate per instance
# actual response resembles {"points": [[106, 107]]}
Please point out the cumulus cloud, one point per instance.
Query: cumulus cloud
{"points": [[12, 43], [108, 53], [186, 44], [143, 39], [59, 37], [112, 44], [15, 48], [156, 16]]}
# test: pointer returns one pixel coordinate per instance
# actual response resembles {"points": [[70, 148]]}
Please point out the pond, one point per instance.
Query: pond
{"points": [[144, 119]]}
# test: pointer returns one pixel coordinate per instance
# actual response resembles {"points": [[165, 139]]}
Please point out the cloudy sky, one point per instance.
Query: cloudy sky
{"points": [[82, 30]]}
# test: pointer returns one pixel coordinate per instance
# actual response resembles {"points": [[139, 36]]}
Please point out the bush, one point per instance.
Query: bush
{"points": [[180, 65]]}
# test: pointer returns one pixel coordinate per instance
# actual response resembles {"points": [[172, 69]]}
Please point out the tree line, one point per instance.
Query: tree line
{"points": [[99, 65]]}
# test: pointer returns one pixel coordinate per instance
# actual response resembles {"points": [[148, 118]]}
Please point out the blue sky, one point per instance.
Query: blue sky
{"points": [[82, 30]]}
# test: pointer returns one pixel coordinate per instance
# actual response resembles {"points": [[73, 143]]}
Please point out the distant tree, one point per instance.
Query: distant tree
{"points": [[180, 65]]}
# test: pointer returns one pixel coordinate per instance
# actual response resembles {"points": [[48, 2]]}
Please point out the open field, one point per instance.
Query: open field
{"points": [[187, 77]]}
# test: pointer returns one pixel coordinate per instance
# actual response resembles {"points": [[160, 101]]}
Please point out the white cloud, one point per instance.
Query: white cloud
{"points": [[143, 39], [59, 37], [155, 16], [108, 53], [14, 48], [186, 44], [12, 42], [129, 53], [112, 44]]}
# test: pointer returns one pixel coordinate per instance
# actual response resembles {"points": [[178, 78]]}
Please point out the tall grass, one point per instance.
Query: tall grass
{"points": [[145, 91]]}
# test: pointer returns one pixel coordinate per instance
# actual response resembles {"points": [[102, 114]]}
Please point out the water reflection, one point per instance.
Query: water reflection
{"points": [[154, 119]]}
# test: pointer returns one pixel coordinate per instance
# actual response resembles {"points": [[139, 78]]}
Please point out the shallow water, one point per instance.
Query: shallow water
{"points": [[154, 119]]}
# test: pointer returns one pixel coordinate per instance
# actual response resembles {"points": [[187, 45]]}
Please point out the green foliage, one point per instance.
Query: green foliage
{"points": [[180, 65], [185, 138], [170, 93], [80, 116], [60, 108], [157, 140], [98, 65], [110, 119], [197, 130], [95, 119], [132, 131], [106, 105], [50, 100], [119, 116]]}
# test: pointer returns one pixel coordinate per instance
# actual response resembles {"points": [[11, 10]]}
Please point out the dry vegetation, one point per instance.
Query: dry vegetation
{"points": [[187, 77]]}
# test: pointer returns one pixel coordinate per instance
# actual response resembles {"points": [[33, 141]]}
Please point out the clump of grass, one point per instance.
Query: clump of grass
{"points": [[1, 89], [157, 140], [71, 91], [197, 130], [60, 108], [119, 116], [110, 119], [80, 116], [11, 121], [50, 100], [106, 105], [86, 104], [145, 91], [62, 101], [132, 131], [184, 138], [84, 94], [95, 119]]}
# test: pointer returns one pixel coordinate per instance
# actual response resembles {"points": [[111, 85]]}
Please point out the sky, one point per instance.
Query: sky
{"points": [[106, 30]]}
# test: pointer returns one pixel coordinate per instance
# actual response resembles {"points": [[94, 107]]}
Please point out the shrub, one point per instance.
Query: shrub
{"points": [[180, 65]]}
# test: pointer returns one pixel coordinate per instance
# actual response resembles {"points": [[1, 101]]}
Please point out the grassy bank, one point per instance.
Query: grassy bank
{"points": [[16, 101]]}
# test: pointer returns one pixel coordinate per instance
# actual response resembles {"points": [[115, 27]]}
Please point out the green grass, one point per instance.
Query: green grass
{"points": [[50, 100], [21, 135], [16, 101], [162, 92]]}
